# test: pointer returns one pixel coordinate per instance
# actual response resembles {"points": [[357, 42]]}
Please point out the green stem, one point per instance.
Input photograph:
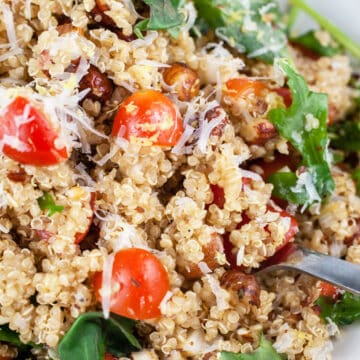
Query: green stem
{"points": [[337, 34]]}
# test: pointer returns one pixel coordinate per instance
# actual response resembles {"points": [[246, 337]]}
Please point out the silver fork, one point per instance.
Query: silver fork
{"points": [[341, 273]]}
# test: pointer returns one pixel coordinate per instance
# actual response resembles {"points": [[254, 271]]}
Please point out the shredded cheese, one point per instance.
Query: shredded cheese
{"points": [[106, 285], [8, 19]]}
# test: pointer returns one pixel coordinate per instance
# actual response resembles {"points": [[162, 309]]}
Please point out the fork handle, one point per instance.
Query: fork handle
{"points": [[341, 273]]}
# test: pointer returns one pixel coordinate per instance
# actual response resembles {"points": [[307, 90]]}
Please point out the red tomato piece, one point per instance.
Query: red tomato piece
{"points": [[219, 195], [148, 117], [32, 135], [327, 289], [110, 357], [243, 87], [79, 237], [293, 229], [285, 93], [138, 284]]}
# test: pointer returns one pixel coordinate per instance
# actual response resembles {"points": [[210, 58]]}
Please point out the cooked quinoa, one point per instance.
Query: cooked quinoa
{"points": [[112, 194]]}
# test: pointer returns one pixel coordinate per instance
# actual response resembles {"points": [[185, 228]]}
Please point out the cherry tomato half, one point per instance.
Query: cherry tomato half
{"points": [[242, 87], [150, 118], [33, 137], [138, 284]]}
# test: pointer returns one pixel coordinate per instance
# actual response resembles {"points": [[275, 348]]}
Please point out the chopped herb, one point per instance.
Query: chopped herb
{"points": [[343, 311], [253, 27], [47, 202], [334, 31], [265, 351], [310, 41], [91, 335], [164, 15], [304, 125], [345, 135]]}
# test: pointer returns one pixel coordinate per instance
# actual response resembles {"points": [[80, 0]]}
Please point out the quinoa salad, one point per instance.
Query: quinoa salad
{"points": [[153, 156]]}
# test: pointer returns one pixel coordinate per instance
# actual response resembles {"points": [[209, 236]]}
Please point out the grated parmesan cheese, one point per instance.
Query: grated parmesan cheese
{"points": [[219, 293], [8, 19], [164, 301], [305, 182], [106, 285]]}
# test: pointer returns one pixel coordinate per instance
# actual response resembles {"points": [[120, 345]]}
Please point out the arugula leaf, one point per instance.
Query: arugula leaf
{"points": [[253, 27], [343, 311], [334, 31], [265, 351], [304, 125], [47, 202], [345, 135], [164, 15], [91, 335], [310, 41]]}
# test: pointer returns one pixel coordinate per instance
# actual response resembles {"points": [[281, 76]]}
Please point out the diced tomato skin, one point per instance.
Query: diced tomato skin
{"points": [[218, 196], [79, 237], [285, 93], [139, 283], [110, 357], [293, 229], [327, 289], [238, 87], [150, 117], [36, 135]]}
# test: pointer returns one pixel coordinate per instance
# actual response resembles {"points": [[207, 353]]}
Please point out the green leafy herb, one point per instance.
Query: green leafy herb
{"points": [[164, 15], [12, 337], [47, 202], [265, 351], [310, 41], [304, 125], [343, 311], [253, 27], [345, 135], [91, 335], [335, 32]]}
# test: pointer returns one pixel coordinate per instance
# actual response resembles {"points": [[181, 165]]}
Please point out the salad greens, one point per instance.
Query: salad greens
{"points": [[91, 335], [345, 135], [164, 15], [311, 42], [343, 311], [47, 202], [335, 32], [253, 27], [265, 351], [304, 125]]}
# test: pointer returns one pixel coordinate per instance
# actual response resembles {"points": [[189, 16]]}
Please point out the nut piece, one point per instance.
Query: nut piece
{"points": [[238, 281], [185, 81], [101, 86], [19, 176], [98, 14], [217, 112], [191, 270], [67, 27]]}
